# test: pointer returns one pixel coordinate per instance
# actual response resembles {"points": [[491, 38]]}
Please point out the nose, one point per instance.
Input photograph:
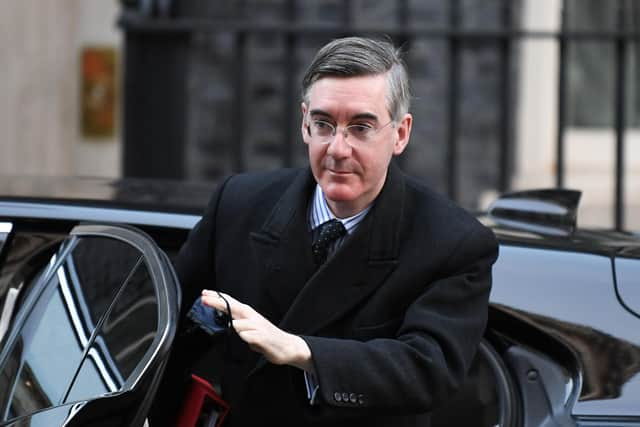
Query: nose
{"points": [[339, 147]]}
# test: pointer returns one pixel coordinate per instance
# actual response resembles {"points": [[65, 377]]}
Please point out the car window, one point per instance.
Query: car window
{"points": [[122, 340], [44, 358], [97, 268], [5, 229], [76, 289], [22, 258]]}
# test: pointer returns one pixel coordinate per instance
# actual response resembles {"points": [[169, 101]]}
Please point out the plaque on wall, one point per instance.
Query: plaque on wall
{"points": [[98, 92]]}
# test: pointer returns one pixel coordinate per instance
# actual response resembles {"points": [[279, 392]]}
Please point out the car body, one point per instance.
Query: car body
{"points": [[89, 306]]}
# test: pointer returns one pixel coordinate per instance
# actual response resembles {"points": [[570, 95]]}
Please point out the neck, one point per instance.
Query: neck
{"points": [[345, 209]]}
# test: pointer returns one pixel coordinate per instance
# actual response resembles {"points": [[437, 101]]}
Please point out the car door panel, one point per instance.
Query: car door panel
{"points": [[98, 326]]}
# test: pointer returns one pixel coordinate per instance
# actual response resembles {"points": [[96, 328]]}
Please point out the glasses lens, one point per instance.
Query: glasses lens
{"points": [[359, 133], [324, 132], [321, 129]]}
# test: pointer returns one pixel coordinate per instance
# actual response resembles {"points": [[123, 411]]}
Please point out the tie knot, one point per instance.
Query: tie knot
{"points": [[329, 232]]}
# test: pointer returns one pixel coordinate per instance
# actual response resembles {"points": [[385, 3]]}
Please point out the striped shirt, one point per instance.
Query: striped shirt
{"points": [[319, 213]]}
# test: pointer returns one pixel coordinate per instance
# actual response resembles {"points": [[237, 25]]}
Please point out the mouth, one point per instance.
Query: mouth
{"points": [[339, 172]]}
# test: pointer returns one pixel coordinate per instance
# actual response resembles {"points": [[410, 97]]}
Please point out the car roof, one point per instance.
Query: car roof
{"points": [[133, 193], [603, 241], [154, 202]]}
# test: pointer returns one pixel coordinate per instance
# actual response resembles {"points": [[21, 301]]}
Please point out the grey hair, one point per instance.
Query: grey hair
{"points": [[358, 56]]}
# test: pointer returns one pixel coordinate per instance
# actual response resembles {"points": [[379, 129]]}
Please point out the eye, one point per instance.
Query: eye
{"points": [[322, 125], [359, 129], [322, 128]]}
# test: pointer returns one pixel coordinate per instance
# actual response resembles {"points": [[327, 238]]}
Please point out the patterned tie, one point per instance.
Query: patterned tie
{"points": [[330, 231]]}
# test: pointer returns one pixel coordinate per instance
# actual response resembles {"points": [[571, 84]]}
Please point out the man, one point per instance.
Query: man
{"points": [[373, 324]]}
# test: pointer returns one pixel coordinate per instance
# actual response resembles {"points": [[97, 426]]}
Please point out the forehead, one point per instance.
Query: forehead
{"points": [[350, 95]]}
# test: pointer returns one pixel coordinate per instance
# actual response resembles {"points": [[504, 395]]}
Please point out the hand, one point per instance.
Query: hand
{"points": [[277, 346]]}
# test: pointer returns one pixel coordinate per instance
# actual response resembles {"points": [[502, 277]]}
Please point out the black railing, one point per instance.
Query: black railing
{"points": [[149, 31]]}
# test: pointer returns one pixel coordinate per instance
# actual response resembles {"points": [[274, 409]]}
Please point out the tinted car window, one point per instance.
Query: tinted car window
{"points": [[45, 358], [122, 341], [96, 269], [22, 257], [5, 229], [58, 327]]}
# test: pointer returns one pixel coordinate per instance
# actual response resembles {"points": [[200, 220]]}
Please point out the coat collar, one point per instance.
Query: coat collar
{"points": [[311, 301]]}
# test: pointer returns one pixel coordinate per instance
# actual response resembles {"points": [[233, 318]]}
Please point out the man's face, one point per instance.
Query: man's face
{"points": [[352, 177]]}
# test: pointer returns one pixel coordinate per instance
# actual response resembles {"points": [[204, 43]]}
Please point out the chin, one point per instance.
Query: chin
{"points": [[339, 192]]}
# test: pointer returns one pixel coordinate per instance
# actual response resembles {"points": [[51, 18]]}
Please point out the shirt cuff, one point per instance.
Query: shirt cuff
{"points": [[312, 387]]}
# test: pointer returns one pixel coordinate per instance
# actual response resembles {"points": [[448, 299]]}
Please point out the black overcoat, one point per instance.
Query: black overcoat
{"points": [[393, 318]]}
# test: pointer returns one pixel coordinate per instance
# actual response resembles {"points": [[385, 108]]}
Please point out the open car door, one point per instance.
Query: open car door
{"points": [[91, 334]]}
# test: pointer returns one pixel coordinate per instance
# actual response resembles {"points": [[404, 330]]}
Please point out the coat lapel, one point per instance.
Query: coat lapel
{"points": [[311, 301], [282, 247], [362, 263]]}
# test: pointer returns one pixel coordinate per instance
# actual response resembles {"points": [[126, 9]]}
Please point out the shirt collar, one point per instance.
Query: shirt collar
{"points": [[320, 213]]}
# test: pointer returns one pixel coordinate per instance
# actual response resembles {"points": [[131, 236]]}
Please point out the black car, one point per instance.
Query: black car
{"points": [[89, 303]]}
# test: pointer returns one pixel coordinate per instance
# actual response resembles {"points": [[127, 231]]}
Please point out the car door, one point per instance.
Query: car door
{"points": [[91, 336]]}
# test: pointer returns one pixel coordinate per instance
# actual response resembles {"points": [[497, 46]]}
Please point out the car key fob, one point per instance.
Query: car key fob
{"points": [[210, 320]]}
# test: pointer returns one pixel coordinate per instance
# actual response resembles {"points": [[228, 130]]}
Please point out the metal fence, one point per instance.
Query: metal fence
{"points": [[159, 36]]}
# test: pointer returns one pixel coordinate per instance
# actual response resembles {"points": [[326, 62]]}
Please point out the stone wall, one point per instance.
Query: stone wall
{"points": [[213, 68]]}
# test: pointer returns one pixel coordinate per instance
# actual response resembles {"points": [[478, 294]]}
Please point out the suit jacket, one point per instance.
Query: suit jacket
{"points": [[392, 319]]}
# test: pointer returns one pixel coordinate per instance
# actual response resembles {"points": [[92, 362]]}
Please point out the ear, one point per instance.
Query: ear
{"points": [[403, 132], [304, 127]]}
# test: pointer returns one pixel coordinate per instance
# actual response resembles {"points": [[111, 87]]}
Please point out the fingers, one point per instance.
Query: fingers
{"points": [[212, 300], [210, 293], [262, 336], [219, 301], [247, 322]]}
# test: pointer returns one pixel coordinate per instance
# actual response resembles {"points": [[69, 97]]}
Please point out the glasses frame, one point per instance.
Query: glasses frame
{"points": [[344, 131]]}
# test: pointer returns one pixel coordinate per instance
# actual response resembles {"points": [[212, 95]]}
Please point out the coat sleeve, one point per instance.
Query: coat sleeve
{"points": [[194, 264], [427, 360], [195, 271]]}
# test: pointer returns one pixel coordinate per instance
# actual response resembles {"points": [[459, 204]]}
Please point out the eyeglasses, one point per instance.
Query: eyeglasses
{"points": [[323, 132]]}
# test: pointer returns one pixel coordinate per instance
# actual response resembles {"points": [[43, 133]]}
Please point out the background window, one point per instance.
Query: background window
{"points": [[592, 64]]}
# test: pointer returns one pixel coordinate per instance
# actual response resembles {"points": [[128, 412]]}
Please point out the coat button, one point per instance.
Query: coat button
{"points": [[353, 398], [345, 397], [361, 399], [337, 396]]}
